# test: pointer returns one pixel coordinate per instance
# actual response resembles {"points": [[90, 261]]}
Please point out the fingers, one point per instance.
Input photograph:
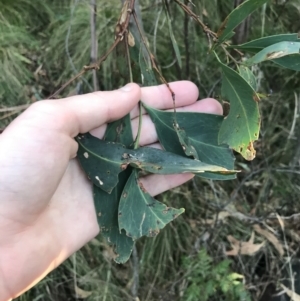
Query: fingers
{"points": [[149, 135], [156, 184], [160, 97], [82, 113]]}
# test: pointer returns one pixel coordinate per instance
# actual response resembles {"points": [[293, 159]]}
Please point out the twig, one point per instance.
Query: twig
{"points": [[94, 48], [205, 28], [121, 28], [16, 108], [187, 44]]}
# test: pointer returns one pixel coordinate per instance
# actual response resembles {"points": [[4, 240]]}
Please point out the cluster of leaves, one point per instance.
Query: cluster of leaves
{"points": [[192, 142], [207, 279]]}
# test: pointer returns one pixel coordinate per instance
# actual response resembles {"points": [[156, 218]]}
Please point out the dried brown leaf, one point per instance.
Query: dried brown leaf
{"points": [[271, 238], [243, 247], [80, 293]]}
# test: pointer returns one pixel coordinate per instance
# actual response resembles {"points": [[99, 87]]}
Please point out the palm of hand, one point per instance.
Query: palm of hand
{"points": [[47, 210]]}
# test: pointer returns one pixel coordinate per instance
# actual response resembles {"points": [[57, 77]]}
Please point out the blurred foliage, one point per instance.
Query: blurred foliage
{"points": [[44, 43], [207, 279]]}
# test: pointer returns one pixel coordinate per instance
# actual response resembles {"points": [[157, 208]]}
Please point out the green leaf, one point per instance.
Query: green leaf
{"points": [[106, 206], [202, 130], [103, 161], [140, 59], [120, 131], [248, 76], [172, 36], [147, 74], [139, 213], [291, 62], [186, 143], [241, 12], [241, 127], [274, 51], [259, 44], [157, 161]]}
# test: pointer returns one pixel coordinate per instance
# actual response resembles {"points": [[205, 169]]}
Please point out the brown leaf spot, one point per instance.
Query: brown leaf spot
{"points": [[275, 54], [222, 27], [131, 41], [256, 98], [226, 108], [124, 166], [166, 210], [142, 186], [124, 195], [99, 213], [153, 232], [174, 215], [250, 152]]}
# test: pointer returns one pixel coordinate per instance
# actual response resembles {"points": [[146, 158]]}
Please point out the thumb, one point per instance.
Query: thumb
{"points": [[81, 113]]}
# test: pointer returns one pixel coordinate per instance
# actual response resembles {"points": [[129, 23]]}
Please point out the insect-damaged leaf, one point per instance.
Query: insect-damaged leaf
{"points": [[248, 76], [102, 161], [275, 51], [259, 44], [120, 131], [106, 206], [139, 213], [161, 162], [291, 61], [202, 130], [140, 59], [241, 127], [241, 12]]}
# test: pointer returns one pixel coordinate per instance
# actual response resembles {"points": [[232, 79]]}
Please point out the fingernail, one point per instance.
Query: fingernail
{"points": [[126, 88]]}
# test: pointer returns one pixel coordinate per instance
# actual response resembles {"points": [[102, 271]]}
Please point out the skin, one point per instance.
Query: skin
{"points": [[46, 209]]}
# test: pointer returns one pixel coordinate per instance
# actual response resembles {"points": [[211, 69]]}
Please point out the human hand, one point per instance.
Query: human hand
{"points": [[46, 209]]}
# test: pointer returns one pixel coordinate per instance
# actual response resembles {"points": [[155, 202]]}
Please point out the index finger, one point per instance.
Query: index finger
{"points": [[159, 97]]}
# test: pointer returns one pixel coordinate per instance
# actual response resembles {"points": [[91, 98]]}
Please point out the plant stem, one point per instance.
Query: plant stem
{"points": [[121, 29], [94, 46]]}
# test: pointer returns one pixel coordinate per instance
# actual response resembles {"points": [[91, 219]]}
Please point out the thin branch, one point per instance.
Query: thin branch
{"points": [[186, 43], [121, 28], [21, 107], [94, 40], [205, 28]]}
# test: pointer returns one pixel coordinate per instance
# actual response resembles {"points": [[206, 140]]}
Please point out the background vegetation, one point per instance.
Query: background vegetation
{"points": [[44, 43]]}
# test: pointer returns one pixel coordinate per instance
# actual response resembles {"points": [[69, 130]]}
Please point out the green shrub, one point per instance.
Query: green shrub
{"points": [[207, 280]]}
